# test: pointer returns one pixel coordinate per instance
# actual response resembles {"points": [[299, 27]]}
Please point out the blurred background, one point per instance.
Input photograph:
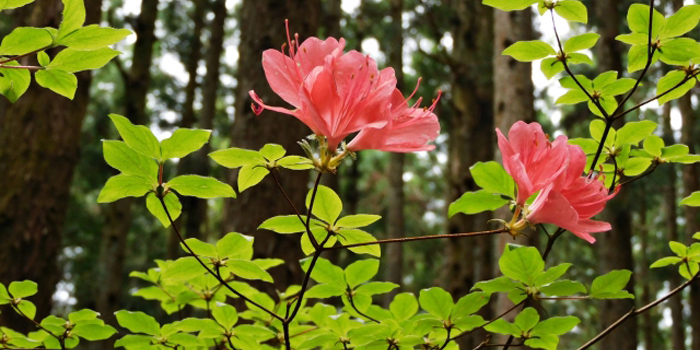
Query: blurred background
{"points": [[191, 64]]}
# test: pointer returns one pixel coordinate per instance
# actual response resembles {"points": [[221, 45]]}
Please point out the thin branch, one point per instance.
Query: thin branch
{"points": [[612, 184], [601, 144], [489, 322], [418, 238], [312, 238], [217, 276], [550, 242], [31, 68], [311, 207], [634, 312], [352, 303], [38, 325], [19, 57], [685, 80], [447, 338], [651, 170]]}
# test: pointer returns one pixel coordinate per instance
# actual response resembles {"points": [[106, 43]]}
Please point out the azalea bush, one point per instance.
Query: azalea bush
{"points": [[549, 186]]}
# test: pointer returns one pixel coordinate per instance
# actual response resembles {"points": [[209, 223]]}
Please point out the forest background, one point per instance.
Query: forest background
{"points": [[191, 64]]}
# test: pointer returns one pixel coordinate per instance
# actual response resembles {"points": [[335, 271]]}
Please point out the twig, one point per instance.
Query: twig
{"points": [[217, 276], [352, 303], [634, 312], [311, 207], [550, 242], [651, 170], [447, 338], [37, 324], [418, 238], [489, 322], [19, 57], [685, 80], [32, 68]]}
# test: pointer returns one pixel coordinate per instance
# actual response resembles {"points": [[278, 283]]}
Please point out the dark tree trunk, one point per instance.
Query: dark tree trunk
{"points": [[40, 138], [395, 220], [262, 27], [647, 324], [190, 221], [118, 215]]}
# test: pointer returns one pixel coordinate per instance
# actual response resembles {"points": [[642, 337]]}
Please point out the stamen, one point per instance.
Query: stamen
{"points": [[289, 39], [414, 89]]}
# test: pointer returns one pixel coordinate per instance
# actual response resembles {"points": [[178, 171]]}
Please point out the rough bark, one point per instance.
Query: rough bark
{"points": [[262, 27], [615, 246], [396, 196], [190, 220], [118, 214], [671, 216], [40, 138], [647, 325]]}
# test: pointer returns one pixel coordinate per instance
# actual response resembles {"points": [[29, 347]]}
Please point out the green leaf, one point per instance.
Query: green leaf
{"points": [[183, 269], [552, 274], [436, 301], [58, 81], [325, 272], [200, 248], [248, 270], [12, 4], [283, 224], [510, 5], [138, 137], [503, 327], [688, 274], [121, 157], [250, 175], [581, 42], [671, 81], [133, 340], [674, 151], [610, 286], [636, 166], [93, 332], [681, 22], [327, 204], [324, 291], [183, 142], [563, 288], [14, 82], [670, 260], [23, 289], [469, 304], [361, 271], [638, 19], [358, 236], [555, 326], [634, 38], [235, 246], [679, 51], [296, 163], [589, 146], [404, 306], [272, 151], [201, 187], [73, 17], [476, 202], [572, 97], [373, 288], [634, 132], [82, 315], [496, 285], [122, 186], [521, 264], [551, 66], [358, 220], [225, 315], [23, 40], [156, 207], [528, 51], [138, 322], [237, 157], [618, 87], [72, 61], [493, 178], [527, 319], [572, 10], [692, 201], [93, 37], [638, 56], [579, 58], [27, 308], [653, 145], [678, 248]]}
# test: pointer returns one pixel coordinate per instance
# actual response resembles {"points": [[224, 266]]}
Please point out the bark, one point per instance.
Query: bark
{"points": [[691, 182], [615, 247], [40, 138], [262, 27], [333, 15], [190, 207], [469, 260], [671, 216], [396, 197], [648, 327], [118, 215]]}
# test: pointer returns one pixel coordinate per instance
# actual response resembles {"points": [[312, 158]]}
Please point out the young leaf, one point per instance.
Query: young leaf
{"points": [[681, 22], [201, 187], [295, 163], [581, 42], [551, 66], [325, 272], [610, 286], [670, 260], [138, 137], [237, 157], [272, 151], [250, 175], [693, 200], [476, 202], [27, 308], [73, 61], [502, 326], [122, 186], [358, 220], [283, 224], [138, 322], [93, 37], [528, 51], [361, 271], [563, 288], [638, 19], [352, 236], [23, 40], [469, 304], [521, 264], [634, 132], [225, 315], [493, 178], [527, 319], [436, 301], [653, 145], [183, 142], [670, 85], [555, 326], [73, 17], [235, 246], [14, 82], [156, 208], [22, 289], [121, 157], [572, 10], [93, 332], [510, 5], [58, 81], [327, 204], [12, 4], [404, 306]]}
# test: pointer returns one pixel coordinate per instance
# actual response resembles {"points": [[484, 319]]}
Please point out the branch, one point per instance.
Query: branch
{"points": [[550, 242], [634, 312], [447, 339], [352, 303], [31, 68], [489, 322], [656, 165], [418, 238], [312, 238], [19, 57], [688, 77], [601, 144], [63, 346], [217, 276]]}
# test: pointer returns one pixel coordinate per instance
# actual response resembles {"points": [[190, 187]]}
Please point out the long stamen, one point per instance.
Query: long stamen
{"points": [[289, 38], [414, 90]]}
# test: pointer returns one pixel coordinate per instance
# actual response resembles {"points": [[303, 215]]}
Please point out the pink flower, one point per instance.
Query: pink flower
{"points": [[409, 129], [336, 94], [531, 159]]}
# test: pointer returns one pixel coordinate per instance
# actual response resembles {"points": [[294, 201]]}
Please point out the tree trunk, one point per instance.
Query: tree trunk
{"points": [[118, 214], [186, 165], [469, 260], [647, 324], [262, 27], [40, 138], [615, 246], [393, 258], [671, 205]]}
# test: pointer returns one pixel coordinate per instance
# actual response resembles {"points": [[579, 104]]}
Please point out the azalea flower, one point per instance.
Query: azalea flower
{"points": [[531, 159], [336, 94]]}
